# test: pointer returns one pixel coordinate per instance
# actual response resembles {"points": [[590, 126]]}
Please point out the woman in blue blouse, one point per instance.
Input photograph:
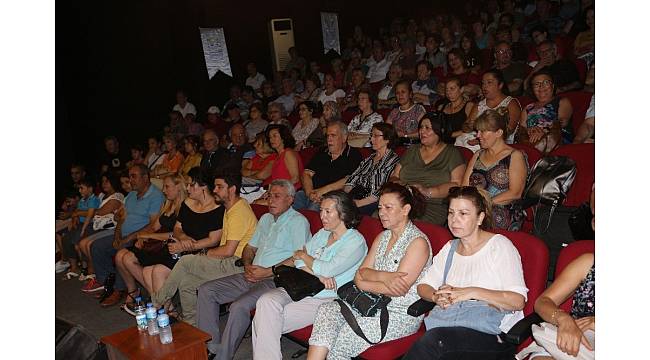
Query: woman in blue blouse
{"points": [[333, 254]]}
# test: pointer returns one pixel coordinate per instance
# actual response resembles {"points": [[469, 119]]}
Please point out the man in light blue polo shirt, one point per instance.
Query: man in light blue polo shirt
{"points": [[278, 235], [142, 206]]}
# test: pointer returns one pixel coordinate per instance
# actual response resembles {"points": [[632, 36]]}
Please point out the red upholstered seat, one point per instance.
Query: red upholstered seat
{"points": [[293, 118], [365, 152], [348, 115], [259, 210], [533, 154], [580, 101], [384, 113], [400, 150], [585, 158], [524, 100], [438, 235], [568, 254], [307, 153], [370, 227], [467, 153], [581, 66], [376, 87], [314, 220]]}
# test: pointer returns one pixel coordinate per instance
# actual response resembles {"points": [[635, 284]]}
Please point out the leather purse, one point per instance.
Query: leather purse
{"points": [[297, 283], [365, 303]]}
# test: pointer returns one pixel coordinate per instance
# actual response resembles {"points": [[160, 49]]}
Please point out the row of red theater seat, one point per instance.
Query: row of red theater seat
{"points": [[533, 252]]}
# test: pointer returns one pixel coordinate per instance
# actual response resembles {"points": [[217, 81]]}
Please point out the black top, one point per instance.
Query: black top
{"points": [[327, 171], [453, 122], [564, 72], [114, 161], [167, 222], [199, 225]]}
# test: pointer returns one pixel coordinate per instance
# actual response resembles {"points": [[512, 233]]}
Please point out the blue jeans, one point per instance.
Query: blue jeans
{"points": [[301, 201], [102, 252]]}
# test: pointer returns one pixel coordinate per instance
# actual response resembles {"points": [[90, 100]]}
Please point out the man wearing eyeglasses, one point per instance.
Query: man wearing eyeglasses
{"points": [[514, 73], [565, 74]]}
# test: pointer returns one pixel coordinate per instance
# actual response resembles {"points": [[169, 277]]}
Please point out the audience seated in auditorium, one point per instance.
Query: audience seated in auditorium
{"points": [[406, 116], [432, 167], [377, 64], [183, 106], [333, 254], [287, 97], [257, 169], [254, 79], [330, 91], [234, 99], [267, 93], [408, 59], [328, 169], [172, 161], [199, 226], [331, 113], [192, 155], [314, 70], [477, 265], [233, 116], [514, 73], [193, 127], [361, 125], [279, 233], [433, 54], [296, 61], [568, 335], [149, 261], [358, 81], [498, 169], [288, 164], [312, 90], [211, 155], [276, 115], [455, 110], [137, 155], [141, 207], [424, 87], [457, 67], [155, 154], [564, 72], [386, 98], [543, 121], [471, 53], [101, 222], [255, 123], [338, 74], [585, 41], [112, 158], [373, 172], [307, 131], [393, 267]]}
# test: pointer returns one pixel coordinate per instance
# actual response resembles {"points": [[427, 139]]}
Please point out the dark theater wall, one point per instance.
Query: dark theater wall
{"points": [[118, 63]]}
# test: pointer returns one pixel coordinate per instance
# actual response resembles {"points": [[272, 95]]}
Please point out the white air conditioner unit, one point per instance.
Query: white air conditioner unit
{"points": [[281, 34]]}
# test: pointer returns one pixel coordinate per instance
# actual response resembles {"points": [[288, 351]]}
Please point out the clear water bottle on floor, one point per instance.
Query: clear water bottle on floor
{"points": [[140, 315], [152, 324], [165, 329]]}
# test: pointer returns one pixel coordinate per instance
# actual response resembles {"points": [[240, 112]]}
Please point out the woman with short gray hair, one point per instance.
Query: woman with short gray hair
{"points": [[333, 254]]}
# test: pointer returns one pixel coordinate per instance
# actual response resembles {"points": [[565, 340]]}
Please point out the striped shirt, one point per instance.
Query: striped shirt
{"points": [[373, 176]]}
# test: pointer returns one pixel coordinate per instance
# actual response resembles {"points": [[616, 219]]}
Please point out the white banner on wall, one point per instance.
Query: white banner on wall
{"points": [[330, 24], [215, 51]]}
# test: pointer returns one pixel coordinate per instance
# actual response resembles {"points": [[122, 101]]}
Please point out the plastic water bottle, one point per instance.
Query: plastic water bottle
{"points": [[152, 324], [140, 316], [165, 329]]}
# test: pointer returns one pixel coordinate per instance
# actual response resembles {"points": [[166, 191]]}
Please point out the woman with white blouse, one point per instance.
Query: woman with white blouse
{"points": [[330, 91], [361, 125], [307, 132]]}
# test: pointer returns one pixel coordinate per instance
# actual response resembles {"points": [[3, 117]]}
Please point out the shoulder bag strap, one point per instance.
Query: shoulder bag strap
{"points": [[450, 256], [352, 321]]}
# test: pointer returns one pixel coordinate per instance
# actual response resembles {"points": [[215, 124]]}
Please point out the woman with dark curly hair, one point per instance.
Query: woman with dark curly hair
{"points": [[288, 164]]}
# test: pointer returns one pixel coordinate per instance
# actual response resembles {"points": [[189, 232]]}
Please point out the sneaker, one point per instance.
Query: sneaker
{"points": [[83, 277], [70, 275], [91, 286], [61, 266]]}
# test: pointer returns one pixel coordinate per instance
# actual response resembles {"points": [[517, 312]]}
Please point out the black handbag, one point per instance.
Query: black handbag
{"points": [[548, 183], [580, 223], [297, 283], [367, 304]]}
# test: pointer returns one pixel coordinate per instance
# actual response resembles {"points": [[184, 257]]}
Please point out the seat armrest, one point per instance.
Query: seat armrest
{"points": [[522, 329], [420, 307]]}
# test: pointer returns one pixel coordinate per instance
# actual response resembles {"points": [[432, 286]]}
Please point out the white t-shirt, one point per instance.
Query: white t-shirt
{"points": [[497, 266], [338, 93], [256, 81], [188, 109], [107, 221], [377, 70], [288, 101]]}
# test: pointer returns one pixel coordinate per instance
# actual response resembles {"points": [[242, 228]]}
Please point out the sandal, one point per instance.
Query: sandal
{"points": [[130, 298], [83, 277], [69, 275]]}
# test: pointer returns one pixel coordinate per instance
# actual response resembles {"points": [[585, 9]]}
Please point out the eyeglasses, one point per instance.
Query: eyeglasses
{"points": [[543, 83], [501, 52]]}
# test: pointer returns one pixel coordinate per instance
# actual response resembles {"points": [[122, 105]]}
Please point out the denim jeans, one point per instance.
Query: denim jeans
{"points": [[459, 343], [301, 201]]}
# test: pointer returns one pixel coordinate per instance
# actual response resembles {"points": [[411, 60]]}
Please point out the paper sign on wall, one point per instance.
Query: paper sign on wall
{"points": [[215, 51], [330, 25]]}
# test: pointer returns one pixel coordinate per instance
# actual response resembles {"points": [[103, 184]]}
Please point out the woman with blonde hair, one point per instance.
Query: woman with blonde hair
{"points": [[138, 261]]}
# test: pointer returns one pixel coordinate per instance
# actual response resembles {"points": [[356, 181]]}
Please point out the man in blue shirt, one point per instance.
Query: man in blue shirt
{"points": [[278, 235], [142, 206]]}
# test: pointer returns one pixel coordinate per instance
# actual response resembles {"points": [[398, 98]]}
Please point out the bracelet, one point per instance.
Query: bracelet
{"points": [[553, 316]]}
